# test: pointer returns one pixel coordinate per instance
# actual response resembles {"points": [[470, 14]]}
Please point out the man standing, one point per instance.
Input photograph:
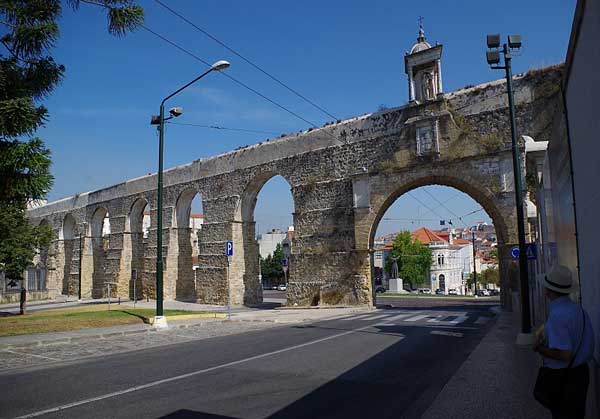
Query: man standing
{"points": [[568, 341]]}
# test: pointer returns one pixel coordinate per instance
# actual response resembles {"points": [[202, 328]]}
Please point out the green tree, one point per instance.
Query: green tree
{"points": [[488, 276], [271, 268], [28, 74], [413, 259]]}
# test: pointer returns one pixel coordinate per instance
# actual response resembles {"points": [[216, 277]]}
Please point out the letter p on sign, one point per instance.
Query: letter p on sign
{"points": [[229, 248]]}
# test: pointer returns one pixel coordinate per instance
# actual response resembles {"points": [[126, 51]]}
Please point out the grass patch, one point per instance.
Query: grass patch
{"points": [[76, 318]]}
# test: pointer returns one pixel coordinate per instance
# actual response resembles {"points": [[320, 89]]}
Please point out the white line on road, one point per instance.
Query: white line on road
{"points": [[458, 320], [437, 318], [399, 316], [380, 316], [37, 356], [414, 319], [443, 333], [355, 317], [183, 376]]}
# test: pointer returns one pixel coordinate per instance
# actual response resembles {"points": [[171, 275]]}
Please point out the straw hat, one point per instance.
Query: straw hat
{"points": [[559, 279]]}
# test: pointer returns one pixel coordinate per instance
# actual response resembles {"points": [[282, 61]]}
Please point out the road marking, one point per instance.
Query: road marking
{"points": [[482, 320], [459, 319], [414, 319], [443, 333], [379, 316], [437, 318], [399, 316], [37, 356], [356, 317], [183, 376], [384, 324]]}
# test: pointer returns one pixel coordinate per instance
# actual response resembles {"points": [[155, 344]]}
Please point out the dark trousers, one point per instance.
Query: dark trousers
{"points": [[572, 405]]}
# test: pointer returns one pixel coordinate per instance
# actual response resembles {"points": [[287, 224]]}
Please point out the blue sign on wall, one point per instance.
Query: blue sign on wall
{"points": [[531, 251], [229, 248], [514, 252]]}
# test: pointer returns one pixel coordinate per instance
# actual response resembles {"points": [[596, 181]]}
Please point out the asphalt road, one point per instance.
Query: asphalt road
{"points": [[386, 363]]}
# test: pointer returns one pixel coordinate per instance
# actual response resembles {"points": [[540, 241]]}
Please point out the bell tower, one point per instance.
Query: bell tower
{"points": [[423, 65]]}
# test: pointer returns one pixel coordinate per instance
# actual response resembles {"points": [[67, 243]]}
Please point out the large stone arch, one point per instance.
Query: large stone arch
{"points": [[244, 267], [134, 261], [69, 242], [180, 283], [41, 273], [100, 271], [385, 189]]}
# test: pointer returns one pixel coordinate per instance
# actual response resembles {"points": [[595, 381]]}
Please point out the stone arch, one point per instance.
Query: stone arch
{"points": [[386, 189], [100, 244], [69, 240], [135, 267], [483, 196], [180, 283], [37, 276], [245, 264]]}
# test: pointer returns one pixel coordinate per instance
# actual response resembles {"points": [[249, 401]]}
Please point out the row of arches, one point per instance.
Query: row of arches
{"points": [[126, 256]]}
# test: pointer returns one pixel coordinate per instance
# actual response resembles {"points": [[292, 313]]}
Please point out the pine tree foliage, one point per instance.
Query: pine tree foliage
{"points": [[28, 74]]}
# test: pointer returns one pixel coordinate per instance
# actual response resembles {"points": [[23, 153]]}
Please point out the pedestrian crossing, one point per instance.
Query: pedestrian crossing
{"points": [[427, 317]]}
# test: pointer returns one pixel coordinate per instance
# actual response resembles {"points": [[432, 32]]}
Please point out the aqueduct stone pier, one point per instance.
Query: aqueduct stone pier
{"points": [[342, 176]]}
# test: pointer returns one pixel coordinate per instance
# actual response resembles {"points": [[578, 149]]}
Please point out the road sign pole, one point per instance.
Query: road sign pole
{"points": [[228, 289], [229, 254]]}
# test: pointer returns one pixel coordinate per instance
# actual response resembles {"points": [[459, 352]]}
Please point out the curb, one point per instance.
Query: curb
{"points": [[106, 335]]}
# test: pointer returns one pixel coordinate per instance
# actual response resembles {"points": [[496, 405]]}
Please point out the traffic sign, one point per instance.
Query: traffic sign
{"points": [[514, 252], [229, 248], [531, 251], [284, 262]]}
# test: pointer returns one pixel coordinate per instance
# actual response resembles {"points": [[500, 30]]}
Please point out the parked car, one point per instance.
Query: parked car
{"points": [[483, 293], [274, 287], [452, 291], [282, 287], [494, 292], [424, 291], [439, 292], [380, 289]]}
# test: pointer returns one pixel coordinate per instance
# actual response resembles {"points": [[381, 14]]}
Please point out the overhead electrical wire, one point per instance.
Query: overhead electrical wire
{"points": [[191, 54], [233, 51], [217, 127]]}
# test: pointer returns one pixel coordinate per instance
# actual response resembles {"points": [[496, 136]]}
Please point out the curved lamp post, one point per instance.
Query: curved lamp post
{"points": [[159, 320]]}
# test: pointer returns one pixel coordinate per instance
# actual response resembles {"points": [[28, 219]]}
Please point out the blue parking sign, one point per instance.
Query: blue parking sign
{"points": [[229, 248]]}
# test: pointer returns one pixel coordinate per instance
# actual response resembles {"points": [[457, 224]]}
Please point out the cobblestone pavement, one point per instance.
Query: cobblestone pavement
{"points": [[41, 356]]}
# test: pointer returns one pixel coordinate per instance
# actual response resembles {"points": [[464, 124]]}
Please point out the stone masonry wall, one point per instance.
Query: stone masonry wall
{"points": [[342, 176]]}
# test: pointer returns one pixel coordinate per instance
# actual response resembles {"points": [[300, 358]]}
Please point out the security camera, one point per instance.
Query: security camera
{"points": [[176, 111]]}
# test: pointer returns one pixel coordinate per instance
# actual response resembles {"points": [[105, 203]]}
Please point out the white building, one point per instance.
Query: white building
{"points": [[267, 242], [446, 270]]}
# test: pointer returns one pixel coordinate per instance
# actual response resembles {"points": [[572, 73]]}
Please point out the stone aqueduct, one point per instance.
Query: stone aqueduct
{"points": [[342, 176]]}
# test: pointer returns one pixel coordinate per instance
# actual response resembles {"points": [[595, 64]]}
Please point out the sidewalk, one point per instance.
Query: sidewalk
{"points": [[496, 381]]}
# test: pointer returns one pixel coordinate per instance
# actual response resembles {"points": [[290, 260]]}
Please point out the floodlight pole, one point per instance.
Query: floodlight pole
{"points": [[159, 320], [523, 268]]}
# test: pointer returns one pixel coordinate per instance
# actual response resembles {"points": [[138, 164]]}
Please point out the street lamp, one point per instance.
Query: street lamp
{"points": [[493, 59], [159, 320]]}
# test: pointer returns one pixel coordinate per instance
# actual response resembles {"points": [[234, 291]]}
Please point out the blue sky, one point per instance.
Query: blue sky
{"points": [[347, 56]]}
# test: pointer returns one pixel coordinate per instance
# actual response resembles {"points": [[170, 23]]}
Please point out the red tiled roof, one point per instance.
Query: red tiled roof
{"points": [[426, 236], [461, 241]]}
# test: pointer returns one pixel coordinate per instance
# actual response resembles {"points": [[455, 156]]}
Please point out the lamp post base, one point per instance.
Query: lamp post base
{"points": [[160, 322], [525, 339]]}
